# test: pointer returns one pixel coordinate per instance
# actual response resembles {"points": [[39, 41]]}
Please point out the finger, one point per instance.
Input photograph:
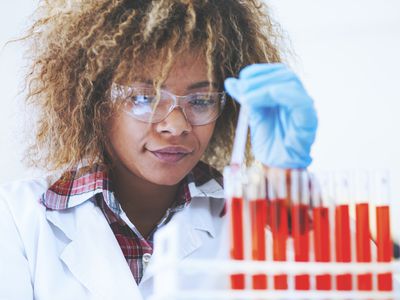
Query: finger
{"points": [[256, 69], [288, 94], [279, 76], [301, 130], [304, 118], [232, 87]]}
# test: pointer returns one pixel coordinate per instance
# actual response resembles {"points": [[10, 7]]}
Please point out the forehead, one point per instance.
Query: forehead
{"points": [[186, 68], [186, 71]]}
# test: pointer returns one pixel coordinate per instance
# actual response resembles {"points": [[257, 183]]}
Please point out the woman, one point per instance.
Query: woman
{"points": [[133, 113]]}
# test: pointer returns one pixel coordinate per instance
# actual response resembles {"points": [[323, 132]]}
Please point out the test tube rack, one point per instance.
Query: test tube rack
{"points": [[169, 270]]}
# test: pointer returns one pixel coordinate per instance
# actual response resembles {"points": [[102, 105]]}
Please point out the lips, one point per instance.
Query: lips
{"points": [[171, 154]]}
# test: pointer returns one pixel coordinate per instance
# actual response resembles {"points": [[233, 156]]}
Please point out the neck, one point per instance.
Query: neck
{"points": [[144, 202]]}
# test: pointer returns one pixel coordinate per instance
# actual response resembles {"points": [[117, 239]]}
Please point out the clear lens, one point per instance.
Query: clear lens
{"points": [[145, 105], [203, 108]]}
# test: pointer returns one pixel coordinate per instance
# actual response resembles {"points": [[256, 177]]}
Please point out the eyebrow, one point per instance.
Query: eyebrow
{"points": [[202, 84], [196, 85]]}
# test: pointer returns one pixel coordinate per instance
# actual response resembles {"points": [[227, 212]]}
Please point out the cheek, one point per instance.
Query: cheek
{"points": [[125, 134], [204, 134]]}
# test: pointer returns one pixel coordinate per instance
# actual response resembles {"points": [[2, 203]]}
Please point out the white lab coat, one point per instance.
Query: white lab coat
{"points": [[73, 254]]}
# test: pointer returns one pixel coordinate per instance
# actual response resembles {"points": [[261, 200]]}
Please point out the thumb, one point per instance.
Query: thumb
{"points": [[232, 87]]}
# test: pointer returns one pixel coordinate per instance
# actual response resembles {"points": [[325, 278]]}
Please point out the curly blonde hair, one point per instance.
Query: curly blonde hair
{"points": [[79, 48]]}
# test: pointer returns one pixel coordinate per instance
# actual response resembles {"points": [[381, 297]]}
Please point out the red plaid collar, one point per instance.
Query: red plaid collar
{"points": [[77, 186]]}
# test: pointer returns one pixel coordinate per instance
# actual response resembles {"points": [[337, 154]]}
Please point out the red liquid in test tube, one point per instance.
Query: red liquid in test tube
{"points": [[258, 214], [342, 244], [363, 235], [300, 224], [384, 245], [342, 232], [300, 232], [255, 192], [322, 245], [237, 244], [321, 229], [279, 226], [363, 240], [384, 242], [233, 189], [280, 233]]}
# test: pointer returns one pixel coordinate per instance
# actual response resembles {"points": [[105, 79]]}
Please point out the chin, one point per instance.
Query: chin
{"points": [[165, 179], [167, 174], [161, 175]]}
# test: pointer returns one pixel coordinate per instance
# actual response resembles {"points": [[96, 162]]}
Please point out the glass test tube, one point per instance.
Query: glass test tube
{"points": [[363, 234], [321, 230], [300, 198], [342, 230], [233, 189], [279, 222], [384, 242], [255, 192]]}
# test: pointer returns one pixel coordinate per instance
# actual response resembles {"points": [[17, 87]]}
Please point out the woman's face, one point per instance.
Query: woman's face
{"points": [[163, 153]]}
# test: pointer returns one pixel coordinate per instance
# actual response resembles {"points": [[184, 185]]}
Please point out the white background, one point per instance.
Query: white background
{"points": [[347, 55]]}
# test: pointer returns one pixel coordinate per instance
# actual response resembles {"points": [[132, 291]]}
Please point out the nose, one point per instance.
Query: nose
{"points": [[175, 123]]}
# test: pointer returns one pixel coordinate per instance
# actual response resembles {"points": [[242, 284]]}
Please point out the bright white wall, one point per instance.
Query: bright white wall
{"points": [[347, 55]]}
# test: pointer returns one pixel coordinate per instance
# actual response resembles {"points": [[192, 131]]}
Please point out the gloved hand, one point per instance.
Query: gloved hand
{"points": [[282, 118]]}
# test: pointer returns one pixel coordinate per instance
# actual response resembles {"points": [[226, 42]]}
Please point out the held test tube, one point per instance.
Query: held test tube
{"points": [[300, 198], [233, 185], [233, 189]]}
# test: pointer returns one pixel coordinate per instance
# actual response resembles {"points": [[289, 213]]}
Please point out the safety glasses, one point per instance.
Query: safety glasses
{"points": [[145, 104]]}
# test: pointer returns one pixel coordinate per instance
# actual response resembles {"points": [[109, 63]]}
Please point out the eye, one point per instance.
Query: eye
{"points": [[140, 96], [202, 102], [142, 99]]}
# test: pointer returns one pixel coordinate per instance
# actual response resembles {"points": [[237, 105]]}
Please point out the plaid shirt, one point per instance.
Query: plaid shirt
{"points": [[84, 184]]}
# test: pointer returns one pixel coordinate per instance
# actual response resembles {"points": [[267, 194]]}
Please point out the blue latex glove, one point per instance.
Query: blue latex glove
{"points": [[282, 118]]}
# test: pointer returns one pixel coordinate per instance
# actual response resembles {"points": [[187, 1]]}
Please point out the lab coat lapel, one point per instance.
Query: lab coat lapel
{"points": [[93, 255], [195, 222], [191, 226], [189, 239], [195, 225]]}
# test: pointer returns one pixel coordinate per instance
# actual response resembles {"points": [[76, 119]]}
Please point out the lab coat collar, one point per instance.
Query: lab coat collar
{"points": [[209, 189], [81, 184], [92, 254]]}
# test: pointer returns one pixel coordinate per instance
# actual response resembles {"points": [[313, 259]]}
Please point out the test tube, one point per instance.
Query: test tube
{"points": [[384, 242], [279, 222], [300, 198], [233, 188], [363, 234], [256, 197], [322, 230], [342, 230]]}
